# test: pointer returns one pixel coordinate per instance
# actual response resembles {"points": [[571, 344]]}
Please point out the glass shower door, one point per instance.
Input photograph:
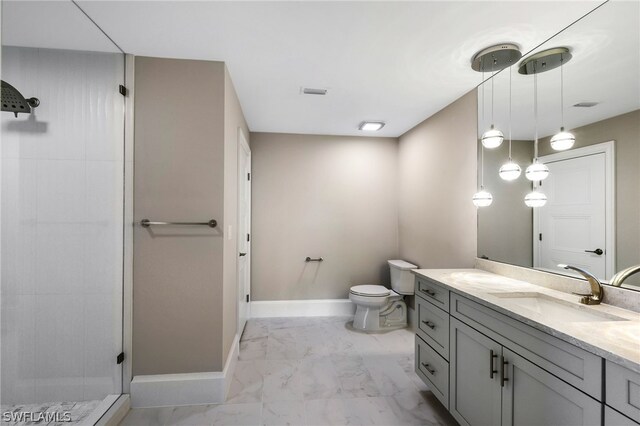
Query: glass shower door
{"points": [[61, 221]]}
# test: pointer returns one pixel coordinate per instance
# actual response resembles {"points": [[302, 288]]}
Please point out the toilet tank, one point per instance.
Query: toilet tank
{"points": [[401, 276]]}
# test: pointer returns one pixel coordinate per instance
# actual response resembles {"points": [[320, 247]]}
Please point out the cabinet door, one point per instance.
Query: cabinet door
{"points": [[531, 396], [474, 379]]}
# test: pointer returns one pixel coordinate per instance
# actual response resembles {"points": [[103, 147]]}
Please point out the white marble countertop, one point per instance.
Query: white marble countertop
{"points": [[617, 341]]}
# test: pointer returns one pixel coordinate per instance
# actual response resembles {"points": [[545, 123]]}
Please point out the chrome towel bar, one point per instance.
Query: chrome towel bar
{"points": [[147, 223], [308, 259]]}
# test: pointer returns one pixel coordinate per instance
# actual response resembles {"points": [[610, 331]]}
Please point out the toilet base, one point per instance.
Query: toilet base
{"points": [[390, 317]]}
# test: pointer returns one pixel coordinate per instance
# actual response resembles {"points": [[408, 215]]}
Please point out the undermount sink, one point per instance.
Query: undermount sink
{"points": [[552, 308]]}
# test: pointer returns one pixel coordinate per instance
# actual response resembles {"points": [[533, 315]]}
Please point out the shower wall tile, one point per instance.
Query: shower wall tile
{"points": [[18, 347], [60, 255], [61, 191], [62, 227]]}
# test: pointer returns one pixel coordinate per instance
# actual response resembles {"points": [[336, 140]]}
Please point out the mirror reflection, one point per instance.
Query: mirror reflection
{"points": [[578, 96]]}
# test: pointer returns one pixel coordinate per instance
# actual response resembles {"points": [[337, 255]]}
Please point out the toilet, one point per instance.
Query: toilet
{"points": [[379, 308]]}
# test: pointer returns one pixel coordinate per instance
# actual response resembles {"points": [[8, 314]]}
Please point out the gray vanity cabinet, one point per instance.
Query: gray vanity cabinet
{"points": [[474, 377], [532, 396], [486, 392]]}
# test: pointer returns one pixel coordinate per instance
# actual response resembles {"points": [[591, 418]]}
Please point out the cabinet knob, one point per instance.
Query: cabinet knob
{"points": [[491, 358]]}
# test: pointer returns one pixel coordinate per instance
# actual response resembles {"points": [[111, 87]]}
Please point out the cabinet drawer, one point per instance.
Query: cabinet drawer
{"points": [[433, 326], [613, 418], [433, 370], [574, 365], [623, 390], [432, 292]]}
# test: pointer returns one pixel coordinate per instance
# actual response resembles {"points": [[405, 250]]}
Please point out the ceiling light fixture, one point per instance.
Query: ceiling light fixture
{"points": [[510, 170], [371, 126], [494, 58], [536, 171], [562, 140]]}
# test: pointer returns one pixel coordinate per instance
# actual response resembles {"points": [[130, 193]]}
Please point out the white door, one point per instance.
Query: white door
{"points": [[572, 225], [244, 230]]}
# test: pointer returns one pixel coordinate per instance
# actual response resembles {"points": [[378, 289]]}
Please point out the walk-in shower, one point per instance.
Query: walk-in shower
{"points": [[62, 183]]}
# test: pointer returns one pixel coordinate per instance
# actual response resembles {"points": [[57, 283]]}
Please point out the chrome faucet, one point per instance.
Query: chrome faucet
{"points": [[619, 278], [595, 297]]}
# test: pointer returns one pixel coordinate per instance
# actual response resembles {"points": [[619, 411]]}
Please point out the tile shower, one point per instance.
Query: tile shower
{"points": [[62, 180]]}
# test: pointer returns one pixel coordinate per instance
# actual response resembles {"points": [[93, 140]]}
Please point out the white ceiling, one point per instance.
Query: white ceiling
{"points": [[394, 61]]}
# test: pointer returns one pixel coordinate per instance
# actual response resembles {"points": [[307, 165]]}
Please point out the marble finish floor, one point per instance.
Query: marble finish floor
{"points": [[78, 411], [314, 371]]}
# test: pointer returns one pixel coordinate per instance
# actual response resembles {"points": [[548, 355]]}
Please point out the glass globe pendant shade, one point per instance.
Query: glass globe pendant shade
{"points": [[537, 171], [492, 138], [562, 140], [482, 198], [535, 199], [510, 171]]}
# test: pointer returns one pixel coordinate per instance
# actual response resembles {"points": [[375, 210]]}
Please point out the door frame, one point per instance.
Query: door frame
{"points": [[608, 149], [242, 144]]}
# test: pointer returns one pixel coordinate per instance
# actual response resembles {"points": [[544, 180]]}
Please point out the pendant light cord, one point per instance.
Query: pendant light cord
{"points": [[481, 167], [535, 113], [492, 63], [562, 90], [510, 74]]}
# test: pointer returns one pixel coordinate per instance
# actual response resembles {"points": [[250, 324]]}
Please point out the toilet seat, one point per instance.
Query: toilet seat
{"points": [[370, 290]]}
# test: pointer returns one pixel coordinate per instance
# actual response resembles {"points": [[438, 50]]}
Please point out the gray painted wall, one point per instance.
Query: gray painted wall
{"points": [[437, 178], [187, 117], [329, 196]]}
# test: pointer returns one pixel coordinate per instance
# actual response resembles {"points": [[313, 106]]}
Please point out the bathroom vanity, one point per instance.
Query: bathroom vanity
{"points": [[498, 351]]}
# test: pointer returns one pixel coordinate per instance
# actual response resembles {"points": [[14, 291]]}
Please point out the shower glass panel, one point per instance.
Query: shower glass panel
{"points": [[61, 216]]}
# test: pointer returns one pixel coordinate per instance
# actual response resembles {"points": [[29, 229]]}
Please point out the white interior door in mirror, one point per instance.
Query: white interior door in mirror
{"points": [[571, 227]]}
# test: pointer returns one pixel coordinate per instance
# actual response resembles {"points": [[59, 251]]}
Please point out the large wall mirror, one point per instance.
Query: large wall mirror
{"points": [[587, 80]]}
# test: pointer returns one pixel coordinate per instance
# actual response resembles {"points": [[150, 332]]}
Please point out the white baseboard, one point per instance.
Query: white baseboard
{"points": [[302, 308], [185, 389]]}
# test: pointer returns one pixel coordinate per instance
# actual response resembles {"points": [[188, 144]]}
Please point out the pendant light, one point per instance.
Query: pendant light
{"points": [[536, 171], [510, 170], [493, 137], [562, 140], [482, 198]]}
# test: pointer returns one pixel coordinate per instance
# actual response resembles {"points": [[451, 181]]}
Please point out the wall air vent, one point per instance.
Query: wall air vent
{"points": [[585, 104], [312, 91]]}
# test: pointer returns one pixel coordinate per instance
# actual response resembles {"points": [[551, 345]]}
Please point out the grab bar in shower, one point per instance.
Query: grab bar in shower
{"points": [[145, 223], [308, 259]]}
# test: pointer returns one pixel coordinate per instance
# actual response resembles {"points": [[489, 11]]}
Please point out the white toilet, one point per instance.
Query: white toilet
{"points": [[379, 308]]}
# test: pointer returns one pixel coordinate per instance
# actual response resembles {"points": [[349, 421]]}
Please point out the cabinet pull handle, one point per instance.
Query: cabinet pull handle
{"points": [[502, 373], [429, 292], [429, 324], [491, 370], [428, 368]]}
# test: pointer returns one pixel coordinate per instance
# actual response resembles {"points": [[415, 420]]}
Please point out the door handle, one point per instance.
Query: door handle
{"points": [[597, 251], [491, 357], [429, 292], [243, 254]]}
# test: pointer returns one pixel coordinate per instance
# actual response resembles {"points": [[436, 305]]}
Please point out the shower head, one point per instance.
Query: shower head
{"points": [[13, 101]]}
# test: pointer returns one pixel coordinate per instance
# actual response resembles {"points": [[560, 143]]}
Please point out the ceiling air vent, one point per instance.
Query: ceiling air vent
{"points": [[312, 91], [585, 104]]}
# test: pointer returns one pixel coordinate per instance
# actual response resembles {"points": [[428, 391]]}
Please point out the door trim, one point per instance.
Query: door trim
{"points": [[608, 149], [242, 145]]}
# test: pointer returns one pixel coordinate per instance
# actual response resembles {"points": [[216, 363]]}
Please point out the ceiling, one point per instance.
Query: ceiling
{"points": [[399, 62]]}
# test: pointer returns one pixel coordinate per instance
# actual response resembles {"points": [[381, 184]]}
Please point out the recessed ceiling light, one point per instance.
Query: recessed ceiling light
{"points": [[371, 126]]}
